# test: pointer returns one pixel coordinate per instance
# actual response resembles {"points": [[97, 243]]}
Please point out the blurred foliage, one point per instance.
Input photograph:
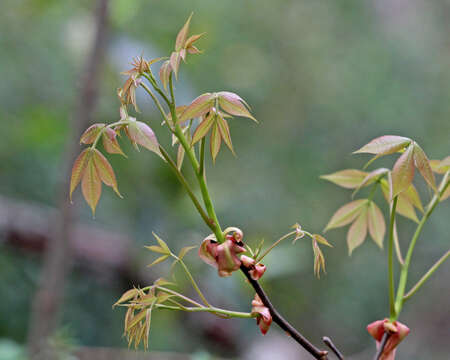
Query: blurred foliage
{"points": [[322, 77]]}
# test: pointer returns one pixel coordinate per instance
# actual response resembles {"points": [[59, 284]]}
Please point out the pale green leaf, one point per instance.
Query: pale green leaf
{"points": [[185, 250], [156, 249], [357, 232], [377, 226], [384, 145], [203, 128], [198, 107], [320, 239], [215, 141], [346, 214], [161, 243], [158, 260], [403, 171], [349, 178]]}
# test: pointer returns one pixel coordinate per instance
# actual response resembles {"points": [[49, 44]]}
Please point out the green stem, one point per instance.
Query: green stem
{"points": [[275, 244], [191, 279], [391, 260], [177, 294], [183, 182], [152, 81], [211, 309], [156, 101], [404, 272], [427, 275], [213, 221], [201, 170]]}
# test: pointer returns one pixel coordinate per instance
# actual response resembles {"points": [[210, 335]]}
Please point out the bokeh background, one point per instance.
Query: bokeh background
{"points": [[322, 77]]}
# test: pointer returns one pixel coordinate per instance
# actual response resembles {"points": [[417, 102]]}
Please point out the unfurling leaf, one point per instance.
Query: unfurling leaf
{"points": [[127, 295], [234, 104], [164, 73], [182, 35], [91, 133], [158, 260], [349, 178], [403, 172], [185, 250], [346, 214], [321, 240], [110, 143], [319, 259], [142, 134], [180, 156], [377, 226], [357, 232], [105, 170], [384, 145], [91, 185], [161, 243], [203, 128], [198, 107], [225, 132], [215, 141], [78, 169], [423, 165], [175, 59]]}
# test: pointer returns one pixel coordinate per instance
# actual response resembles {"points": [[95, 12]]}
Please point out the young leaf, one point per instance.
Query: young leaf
{"points": [[405, 202], [175, 59], [377, 226], [110, 143], [203, 128], [384, 145], [180, 156], [156, 249], [440, 166], [198, 107], [164, 73], [182, 35], [320, 239], [346, 214], [423, 165], [143, 135], [185, 250], [127, 295], [411, 195], [446, 194], [215, 142], [371, 177], [91, 185], [403, 171], [91, 133], [357, 232], [158, 260], [78, 169], [105, 170], [162, 243], [234, 104], [225, 132], [349, 178], [319, 259]]}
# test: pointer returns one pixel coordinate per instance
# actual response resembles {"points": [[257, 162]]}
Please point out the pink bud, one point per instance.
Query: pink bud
{"points": [[247, 261], [258, 271], [264, 318], [397, 331]]}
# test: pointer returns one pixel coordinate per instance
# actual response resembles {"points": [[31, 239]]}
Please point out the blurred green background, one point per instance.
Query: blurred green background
{"points": [[322, 78]]}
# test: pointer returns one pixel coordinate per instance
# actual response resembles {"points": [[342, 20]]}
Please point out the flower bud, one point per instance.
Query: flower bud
{"points": [[397, 332], [263, 316]]}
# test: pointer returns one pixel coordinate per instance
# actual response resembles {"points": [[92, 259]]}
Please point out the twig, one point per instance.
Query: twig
{"points": [[282, 323], [383, 343], [333, 347]]}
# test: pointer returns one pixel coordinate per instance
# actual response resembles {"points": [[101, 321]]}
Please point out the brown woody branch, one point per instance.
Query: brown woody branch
{"points": [[282, 323]]}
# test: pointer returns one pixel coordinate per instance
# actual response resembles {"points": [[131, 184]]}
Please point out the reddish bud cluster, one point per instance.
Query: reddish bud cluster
{"points": [[397, 332], [263, 316], [223, 256], [256, 270]]}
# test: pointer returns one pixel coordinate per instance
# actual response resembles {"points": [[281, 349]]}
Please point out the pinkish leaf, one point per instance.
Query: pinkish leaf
{"points": [[215, 141], [110, 143], [371, 177], [377, 226], [349, 178], [175, 59], [411, 195], [164, 73], [225, 132], [234, 104], [404, 204], [440, 166], [346, 214], [182, 35], [357, 232], [105, 170], [384, 145], [321, 240], [192, 39], [198, 107], [403, 172], [203, 128], [91, 185], [91, 133], [423, 165], [143, 135], [78, 169]]}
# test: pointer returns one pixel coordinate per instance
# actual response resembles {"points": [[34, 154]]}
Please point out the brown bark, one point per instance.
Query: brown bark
{"points": [[48, 299]]}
